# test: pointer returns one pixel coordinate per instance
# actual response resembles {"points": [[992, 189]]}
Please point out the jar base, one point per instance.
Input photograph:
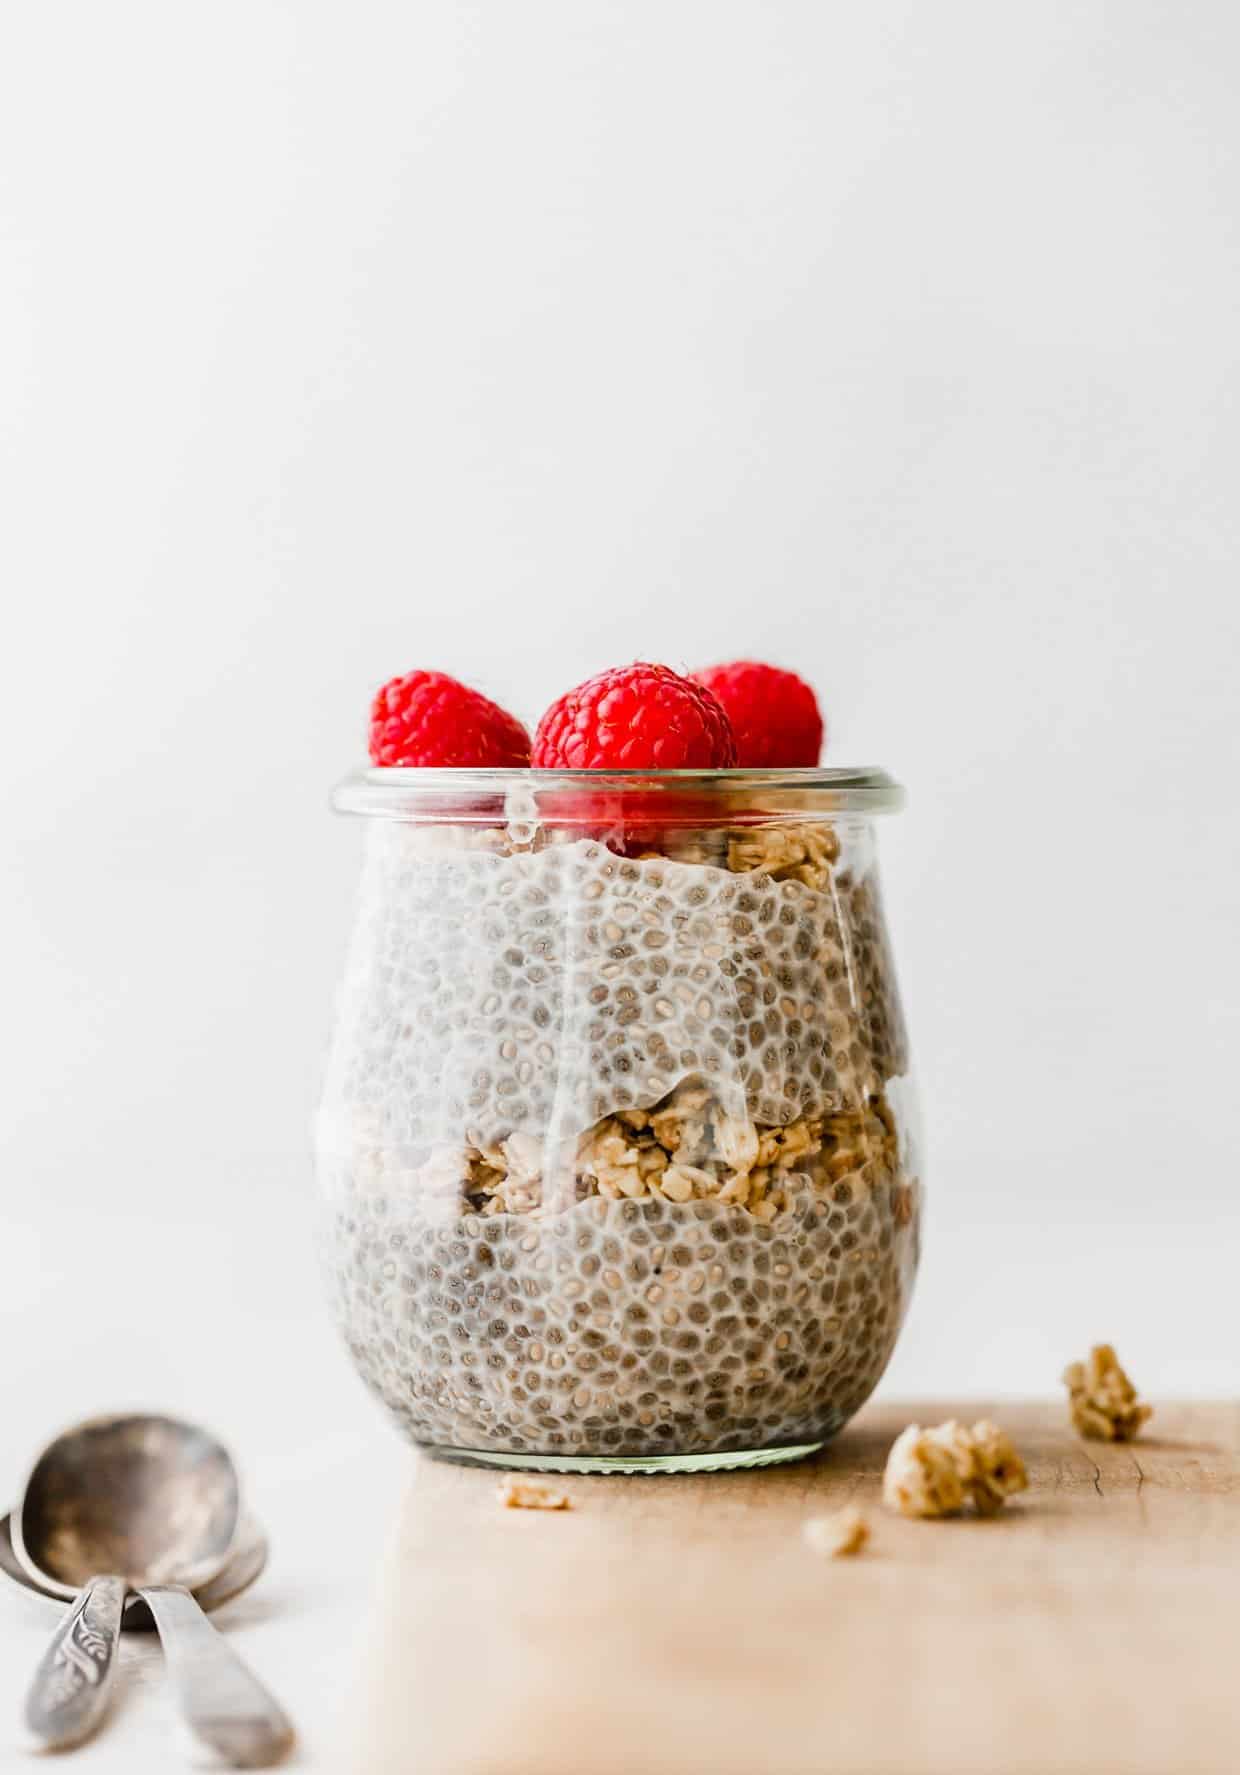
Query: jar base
{"points": [[670, 1463]]}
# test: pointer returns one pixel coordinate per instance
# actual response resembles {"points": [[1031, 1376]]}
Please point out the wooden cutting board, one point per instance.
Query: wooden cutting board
{"points": [[681, 1624]]}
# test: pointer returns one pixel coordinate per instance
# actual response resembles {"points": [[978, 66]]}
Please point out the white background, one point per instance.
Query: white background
{"points": [[893, 342]]}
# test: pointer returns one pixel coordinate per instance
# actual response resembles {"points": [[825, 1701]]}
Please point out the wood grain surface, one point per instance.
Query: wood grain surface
{"points": [[680, 1624]]}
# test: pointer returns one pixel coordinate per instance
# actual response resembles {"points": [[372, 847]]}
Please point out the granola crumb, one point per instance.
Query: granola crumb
{"points": [[1102, 1399], [532, 1494], [935, 1472], [843, 1532]]}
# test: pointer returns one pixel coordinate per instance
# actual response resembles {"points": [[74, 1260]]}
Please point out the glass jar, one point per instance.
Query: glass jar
{"points": [[617, 1149]]}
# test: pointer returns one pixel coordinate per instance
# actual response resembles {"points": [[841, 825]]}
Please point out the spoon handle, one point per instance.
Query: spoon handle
{"points": [[70, 1691], [223, 1704]]}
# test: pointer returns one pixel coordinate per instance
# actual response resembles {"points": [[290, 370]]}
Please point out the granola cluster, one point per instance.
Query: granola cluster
{"points": [[689, 1148], [934, 1472], [799, 852], [1102, 1399], [785, 853]]}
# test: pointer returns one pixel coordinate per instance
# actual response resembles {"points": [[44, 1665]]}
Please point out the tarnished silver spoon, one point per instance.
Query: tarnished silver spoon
{"points": [[154, 1505]]}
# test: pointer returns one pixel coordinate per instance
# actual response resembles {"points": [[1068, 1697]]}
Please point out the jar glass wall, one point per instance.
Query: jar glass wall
{"points": [[617, 1152]]}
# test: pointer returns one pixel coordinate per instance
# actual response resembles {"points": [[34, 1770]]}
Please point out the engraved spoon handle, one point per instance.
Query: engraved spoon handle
{"points": [[222, 1703], [71, 1687]]}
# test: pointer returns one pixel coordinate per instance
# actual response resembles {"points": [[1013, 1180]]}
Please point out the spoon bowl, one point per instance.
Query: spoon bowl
{"points": [[149, 1498]]}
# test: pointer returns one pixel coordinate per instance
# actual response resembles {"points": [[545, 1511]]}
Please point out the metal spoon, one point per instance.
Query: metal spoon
{"points": [[246, 1562], [67, 1502], [156, 1502]]}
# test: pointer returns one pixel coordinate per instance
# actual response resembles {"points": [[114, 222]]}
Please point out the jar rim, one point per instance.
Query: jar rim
{"points": [[438, 792]]}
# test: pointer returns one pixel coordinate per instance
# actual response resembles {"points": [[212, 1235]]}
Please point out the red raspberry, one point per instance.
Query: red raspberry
{"points": [[774, 714], [639, 717], [427, 718]]}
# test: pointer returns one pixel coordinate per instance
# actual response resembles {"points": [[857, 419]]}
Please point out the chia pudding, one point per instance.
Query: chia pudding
{"points": [[615, 1148]]}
